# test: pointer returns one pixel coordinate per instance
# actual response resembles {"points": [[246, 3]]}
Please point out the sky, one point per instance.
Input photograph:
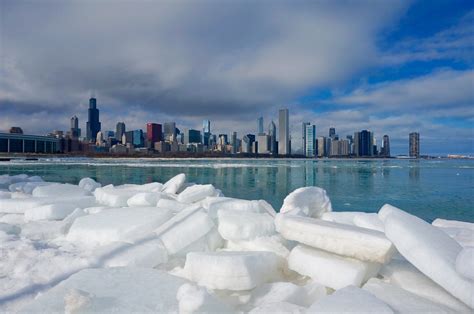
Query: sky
{"points": [[392, 67]]}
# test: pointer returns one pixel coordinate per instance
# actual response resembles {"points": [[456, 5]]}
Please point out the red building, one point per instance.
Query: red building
{"points": [[153, 133]]}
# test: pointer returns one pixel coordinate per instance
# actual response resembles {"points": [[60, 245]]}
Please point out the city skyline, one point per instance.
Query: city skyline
{"points": [[373, 66]]}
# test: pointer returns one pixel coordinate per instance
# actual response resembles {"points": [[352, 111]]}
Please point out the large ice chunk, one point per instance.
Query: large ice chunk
{"points": [[215, 204], [55, 190], [27, 187], [146, 199], [352, 241], [193, 299], [56, 211], [461, 231], [350, 300], [402, 301], [172, 205], [308, 201], [114, 197], [404, 275], [429, 249], [184, 228], [196, 193], [173, 185], [113, 290], [278, 308], [465, 263], [118, 224], [275, 244], [232, 270], [89, 184], [238, 225], [331, 270]]}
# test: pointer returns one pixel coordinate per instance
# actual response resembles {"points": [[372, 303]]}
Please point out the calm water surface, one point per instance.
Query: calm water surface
{"points": [[427, 188]]}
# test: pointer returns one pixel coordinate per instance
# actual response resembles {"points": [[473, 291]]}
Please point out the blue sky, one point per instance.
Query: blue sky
{"points": [[392, 67]]}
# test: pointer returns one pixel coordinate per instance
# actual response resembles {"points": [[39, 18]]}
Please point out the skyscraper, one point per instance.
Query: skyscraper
{"points": [[303, 137], [119, 131], [93, 123], [414, 148], [192, 136], [75, 130], [233, 142], [260, 126], [310, 141], [321, 146], [138, 139], [363, 142], [169, 131], [153, 133], [206, 132], [385, 146], [283, 132], [332, 133], [272, 134]]}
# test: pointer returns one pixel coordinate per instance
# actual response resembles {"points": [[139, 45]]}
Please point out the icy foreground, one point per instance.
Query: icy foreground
{"points": [[178, 247]]}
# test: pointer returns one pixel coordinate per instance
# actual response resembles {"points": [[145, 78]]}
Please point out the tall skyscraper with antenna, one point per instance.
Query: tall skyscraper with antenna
{"points": [[93, 123]]}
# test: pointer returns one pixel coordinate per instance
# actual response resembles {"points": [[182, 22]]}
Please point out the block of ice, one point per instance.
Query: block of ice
{"points": [[369, 221], [13, 219], [147, 253], [404, 275], [196, 193], [275, 244], [237, 225], [173, 185], [9, 229], [19, 206], [465, 263], [35, 179], [89, 184], [462, 232], [5, 194], [118, 224], [193, 299], [402, 301], [184, 228], [172, 205], [56, 211], [329, 269], [210, 242], [232, 270], [308, 201], [429, 249], [278, 308], [350, 299], [27, 187], [44, 230], [215, 204], [346, 218], [112, 196], [114, 290], [146, 199], [287, 292], [61, 190], [352, 241]]}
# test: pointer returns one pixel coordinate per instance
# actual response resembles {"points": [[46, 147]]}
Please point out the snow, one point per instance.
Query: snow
{"points": [[351, 241], [350, 299], [465, 263], [116, 224], [329, 269], [308, 201], [118, 290], [231, 270], [429, 249], [238, 225], [184, 247]]}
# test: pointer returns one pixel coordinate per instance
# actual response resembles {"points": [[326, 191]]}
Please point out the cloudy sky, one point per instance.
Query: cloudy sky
{"points": [[388, 66]]}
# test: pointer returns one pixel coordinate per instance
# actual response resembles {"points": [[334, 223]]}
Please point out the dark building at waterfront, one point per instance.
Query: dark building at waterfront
{"points": [[154, 133], [363, 144], [414, 145], [93, 123]]}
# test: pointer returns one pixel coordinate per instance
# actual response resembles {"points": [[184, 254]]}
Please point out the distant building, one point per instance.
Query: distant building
{"points": [[263, 144], [93, 124], [321, 142], [247, 143], [21, 143], [310, 141], [120, 130], [273, 141], [363, 144], [385, 151], [234, 143], [332, 133], [153, 133], [169, 131], [138, 138], [414, 145], [206, 132], [128, 137], [99, 138], [283, 132], [192, 136], [15, 130], [260, 126], [303, 136], [75, 130]]}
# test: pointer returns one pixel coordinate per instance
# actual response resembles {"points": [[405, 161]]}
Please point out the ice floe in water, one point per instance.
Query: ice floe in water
{"points": [[179, 247]]}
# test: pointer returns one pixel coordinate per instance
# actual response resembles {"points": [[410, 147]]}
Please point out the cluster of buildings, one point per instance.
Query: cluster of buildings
{"points": [[166, 137]]}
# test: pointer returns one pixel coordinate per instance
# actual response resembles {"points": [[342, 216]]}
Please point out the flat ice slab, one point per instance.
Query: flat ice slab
{"points": [[429, 249], [238, 225], [232, 270], [118, 224], [112, 290], [329, 269], [350, 300], [351, 241]]}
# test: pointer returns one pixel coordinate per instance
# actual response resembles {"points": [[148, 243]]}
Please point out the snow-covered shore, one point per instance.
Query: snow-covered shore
{"points": [[183, 247]]}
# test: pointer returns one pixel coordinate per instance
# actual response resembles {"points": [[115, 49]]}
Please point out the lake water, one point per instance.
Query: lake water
{"points": [[428, 188]]}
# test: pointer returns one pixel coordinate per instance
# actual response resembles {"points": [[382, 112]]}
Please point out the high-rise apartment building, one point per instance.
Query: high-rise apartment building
{"points": [[321, 142], [385, 151], [311, 148], [283, 132], [153, 133], [169, 131], [119, 130], [234, 143], [263, 141], [93, 123], [273, 141], [303, 136], [260, 126], [75, 130], [206, 132], [363, 144], [414, 145]]}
